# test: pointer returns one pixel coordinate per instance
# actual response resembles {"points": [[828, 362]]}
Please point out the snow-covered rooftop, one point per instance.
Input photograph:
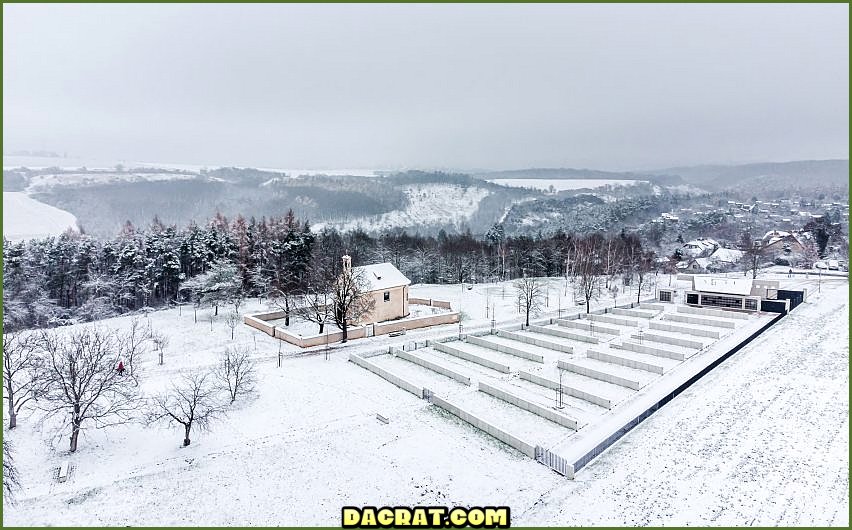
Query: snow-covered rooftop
{"points": [[711, 284], [382, 276], [727, 255], [775, 233]]}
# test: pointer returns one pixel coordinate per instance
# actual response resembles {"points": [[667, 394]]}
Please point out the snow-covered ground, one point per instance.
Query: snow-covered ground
{"points": [[429, 205], [763, 439], [27, 218], [563, 184]]}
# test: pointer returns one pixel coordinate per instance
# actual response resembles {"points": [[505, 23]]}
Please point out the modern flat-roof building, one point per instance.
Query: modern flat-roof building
{"points": [[744, 294]]}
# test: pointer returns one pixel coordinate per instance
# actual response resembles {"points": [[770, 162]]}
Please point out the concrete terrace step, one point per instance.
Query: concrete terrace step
{"points": [[665, 362], [663, 337], [524, 403], [520, 422], [586, 325], [568, 389], [458, 364], [632, 313], [537, 339], [439, 368], [611, 391], [583, 411], [548, 354], [650, 349], [609, 319], [698, 331], [420, 375], [562, 333], [458, 349], [652, 307], [700, 320], [486, 341], [647, 363], [607, 372]]}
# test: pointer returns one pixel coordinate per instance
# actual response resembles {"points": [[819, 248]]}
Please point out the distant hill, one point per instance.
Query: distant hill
{"points": [[797, 174], [578, 174]]}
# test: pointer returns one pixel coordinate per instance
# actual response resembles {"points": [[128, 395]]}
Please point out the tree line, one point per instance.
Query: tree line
{"points": [[76, 277]]}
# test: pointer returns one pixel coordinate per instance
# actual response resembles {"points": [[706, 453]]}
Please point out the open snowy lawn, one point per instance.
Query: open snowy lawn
{"points": [[26, 218], [308, 445]]}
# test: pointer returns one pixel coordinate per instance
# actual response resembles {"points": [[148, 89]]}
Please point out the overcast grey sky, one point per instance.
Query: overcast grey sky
{"points": [[455, 86]]}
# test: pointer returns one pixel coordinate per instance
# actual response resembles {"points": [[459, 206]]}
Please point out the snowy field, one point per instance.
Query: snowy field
{"points": [[563, 184], [27, 218], [763, 439]]}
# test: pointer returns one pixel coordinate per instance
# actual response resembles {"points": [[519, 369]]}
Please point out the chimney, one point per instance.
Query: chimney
{"points": [[347, 263]]}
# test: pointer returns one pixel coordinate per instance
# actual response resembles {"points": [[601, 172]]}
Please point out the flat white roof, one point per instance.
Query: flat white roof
{"points": [[382, 276], [712, 284]]}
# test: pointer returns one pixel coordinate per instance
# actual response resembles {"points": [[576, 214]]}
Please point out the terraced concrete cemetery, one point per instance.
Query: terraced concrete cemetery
{"points": [[559, 389]]}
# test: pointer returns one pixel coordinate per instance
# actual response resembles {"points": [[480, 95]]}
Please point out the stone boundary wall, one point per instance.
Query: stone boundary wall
{"points": [[631, 313], [600, 376], [721, 313], [384, 374], [624, 361], [665, 339], [650, 350], [503, 348], [566, 389], [472, 357], [430, 302], [443, 370], [508, 439], [383, 328], [652, 307], [529, 406], [612, 320], [701, 321], [662, 326], [259, 321], [520, 337], [562, 333], [585, 325]]}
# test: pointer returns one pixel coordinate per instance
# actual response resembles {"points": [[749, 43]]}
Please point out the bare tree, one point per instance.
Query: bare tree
{"points": [[317, 303], [11, 479], [612, 256], [233, 320], [530, 295], [282, 293], [640, 263], [83, 381], [351, 300], [161, 341], [236, 372], [23, 374], [752, 254], [134, 344], [191, 401], [586, 268]]}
